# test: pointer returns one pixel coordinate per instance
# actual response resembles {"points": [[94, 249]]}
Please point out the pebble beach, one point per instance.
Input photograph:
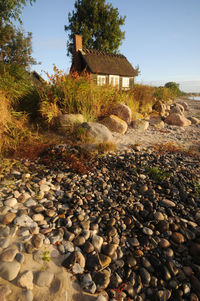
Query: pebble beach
{"points": [[127, 228]]}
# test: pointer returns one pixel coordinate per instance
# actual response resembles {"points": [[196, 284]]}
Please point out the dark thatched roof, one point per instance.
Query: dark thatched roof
{"points": [[106, 63]]}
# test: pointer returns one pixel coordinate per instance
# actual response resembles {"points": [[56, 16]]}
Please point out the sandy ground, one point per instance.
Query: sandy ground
{"points": [[185, 137]]}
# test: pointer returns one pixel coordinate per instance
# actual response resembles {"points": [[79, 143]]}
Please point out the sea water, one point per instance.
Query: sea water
{"points": [[194, 97]]}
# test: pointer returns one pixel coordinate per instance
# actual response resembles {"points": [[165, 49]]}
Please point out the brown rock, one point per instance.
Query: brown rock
{"points": [[177, 119], [115, 124], [178, 238], [124, 112], [8, 254], [8, 218]]}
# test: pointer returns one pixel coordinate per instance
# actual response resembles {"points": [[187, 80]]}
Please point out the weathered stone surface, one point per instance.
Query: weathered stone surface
{"points": [[177, 108], [177, 119], [98, 132], [44, 278], [123, 112], [9, 270], [194, 120], [26, 280], [102, 279], [141, 125], [115, 124], [184, 105], [8, 254], [160, 107], [68, 120], [4, 292], [24, 221], [178, 238], [8, 218]]}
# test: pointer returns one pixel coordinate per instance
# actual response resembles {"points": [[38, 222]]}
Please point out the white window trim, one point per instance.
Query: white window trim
{"points": [[114, 80], [101, 80], [125, 82]]}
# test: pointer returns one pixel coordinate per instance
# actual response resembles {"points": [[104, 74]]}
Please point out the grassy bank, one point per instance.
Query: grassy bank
{"points": [[28, 110]]}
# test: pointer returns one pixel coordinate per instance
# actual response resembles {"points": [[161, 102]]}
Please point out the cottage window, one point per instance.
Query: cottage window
{"points": [[114, 80], [125, 82], [101, 80]]}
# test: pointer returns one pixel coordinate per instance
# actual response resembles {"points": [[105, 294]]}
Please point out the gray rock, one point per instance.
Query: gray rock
{"points": [[44, 278], [8, 254], [123, 112], [24, 221], [9, 270], [102, 279], [98, 132], [4, 243], [4, 231]]}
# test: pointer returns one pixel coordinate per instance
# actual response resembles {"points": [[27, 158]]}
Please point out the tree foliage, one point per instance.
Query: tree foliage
{"points": [[174, 87], [99, 24], [15, 45], [12, 10]]}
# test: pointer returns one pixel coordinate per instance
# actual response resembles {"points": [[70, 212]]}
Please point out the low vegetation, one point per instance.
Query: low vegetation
{"points": [[29, 110]]}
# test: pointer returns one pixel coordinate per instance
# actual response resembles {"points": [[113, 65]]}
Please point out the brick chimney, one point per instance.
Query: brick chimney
{"points": [[77, 59]]}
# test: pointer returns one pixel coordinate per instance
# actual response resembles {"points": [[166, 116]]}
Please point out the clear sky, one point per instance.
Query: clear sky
{"points": [[161, 36]]}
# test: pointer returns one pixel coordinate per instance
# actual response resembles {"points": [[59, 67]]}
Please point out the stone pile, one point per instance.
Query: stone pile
{"points": [[129, 229]]}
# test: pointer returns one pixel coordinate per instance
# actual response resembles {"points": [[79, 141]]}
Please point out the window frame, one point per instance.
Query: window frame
{"points": [[101, 80], [125, 82], [114, 80]]}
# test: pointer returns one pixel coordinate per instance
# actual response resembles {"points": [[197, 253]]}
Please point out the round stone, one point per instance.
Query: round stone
{"points": [[8, 254], [147, 231], [44, 278], [177, 237], [164, 243], [10, 202], [9, 270], [38, 217]]}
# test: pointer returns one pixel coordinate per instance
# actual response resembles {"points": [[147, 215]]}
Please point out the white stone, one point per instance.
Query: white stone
{"points": [[44, 188], [26, 280], [24, 221], [10, 202], [97, 242]]}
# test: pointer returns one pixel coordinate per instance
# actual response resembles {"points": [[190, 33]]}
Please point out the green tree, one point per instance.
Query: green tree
{"points": [[99, 24], [12, 9], [174, 87], [15, 45]]}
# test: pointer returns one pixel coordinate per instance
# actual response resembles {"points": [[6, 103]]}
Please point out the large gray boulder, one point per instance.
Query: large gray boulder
{"points": [[124, 112], [98, 132], [115, 124]]}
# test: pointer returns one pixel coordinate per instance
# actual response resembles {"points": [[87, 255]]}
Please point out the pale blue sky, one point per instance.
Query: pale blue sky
{"points": [[161, 36]]}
